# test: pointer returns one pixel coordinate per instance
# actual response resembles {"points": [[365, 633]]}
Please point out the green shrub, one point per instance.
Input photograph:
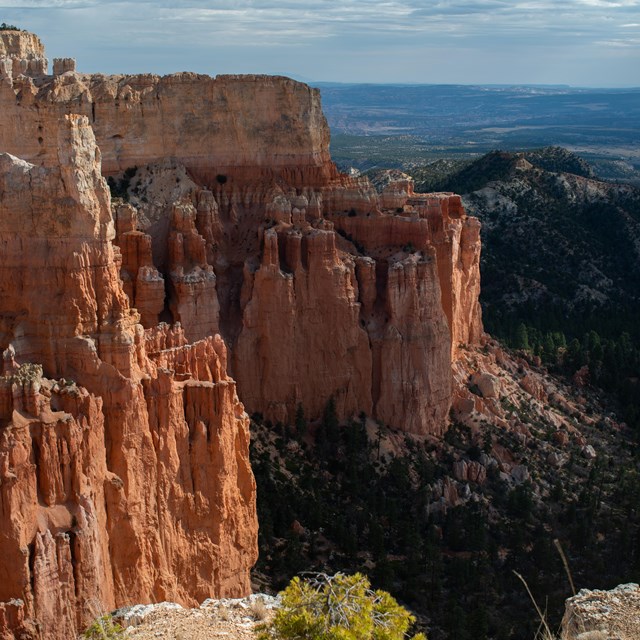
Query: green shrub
{"points": [[338, 607], [104, 628]]}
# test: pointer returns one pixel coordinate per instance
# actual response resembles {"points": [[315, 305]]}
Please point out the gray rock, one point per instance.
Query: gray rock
{"points": [[136, 614], [555, 460], [520, 474]]}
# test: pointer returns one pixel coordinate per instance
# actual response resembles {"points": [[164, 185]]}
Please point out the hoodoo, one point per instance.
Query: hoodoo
{"points": [[124, 473], [124, 470]]}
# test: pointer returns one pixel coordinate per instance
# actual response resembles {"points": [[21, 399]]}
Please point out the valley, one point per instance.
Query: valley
{"points": [[404, 126], [227, 362]]}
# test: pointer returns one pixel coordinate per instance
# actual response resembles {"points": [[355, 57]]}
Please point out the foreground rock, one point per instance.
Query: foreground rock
{"points": [[236, 618], [603, 615]]}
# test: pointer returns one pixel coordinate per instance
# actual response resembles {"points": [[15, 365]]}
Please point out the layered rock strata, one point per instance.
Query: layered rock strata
{"points": [[131, 483], [240, 127], [321, 286], [366, 305], [21, 53]]}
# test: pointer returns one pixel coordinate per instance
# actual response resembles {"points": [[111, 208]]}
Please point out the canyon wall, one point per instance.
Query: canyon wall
{"points": [[124, 470], [234, 246], [243, 127], [240, 223]]}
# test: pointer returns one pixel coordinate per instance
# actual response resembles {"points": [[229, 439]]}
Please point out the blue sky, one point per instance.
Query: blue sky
{"points": [[577, 42]]}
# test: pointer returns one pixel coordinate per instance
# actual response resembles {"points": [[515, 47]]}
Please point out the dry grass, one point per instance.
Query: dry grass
{"points": [[565, 564], [544, 632], [258, 609]]}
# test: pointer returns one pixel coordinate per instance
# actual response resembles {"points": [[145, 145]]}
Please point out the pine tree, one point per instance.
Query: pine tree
{"points": [[301, 422], [522, 337]]}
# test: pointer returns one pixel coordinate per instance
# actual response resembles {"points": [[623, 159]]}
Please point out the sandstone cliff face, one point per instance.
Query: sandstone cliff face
{"points": [[133, 482], [242, 127], [308, 275], [421, 221], [367, 308], [302, 290], [245, 243], [321, 288], [21, 53]]}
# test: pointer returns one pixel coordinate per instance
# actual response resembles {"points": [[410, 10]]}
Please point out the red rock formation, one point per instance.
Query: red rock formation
{"points": [[245, 128], [143, 283], [53, 533], [418, 222], [392, 354], [413, 354], [21, 53], [320, 286], [303, 290], [194, 301], [135, 486], [371, 317]]}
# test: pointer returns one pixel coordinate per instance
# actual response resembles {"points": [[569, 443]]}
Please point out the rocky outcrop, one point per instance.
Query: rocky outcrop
{"points": [[288, 351], [193, 297], [603, 615], [53, 476], [236, 128], [399, 283], [21, 53], [322, 287], [142, 282], [421, 221], [124, 470], [63, 65], [413, 360], [132, 483]]}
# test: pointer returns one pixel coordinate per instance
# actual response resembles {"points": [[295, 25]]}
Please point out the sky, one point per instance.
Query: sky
{"points": [[591, 43]]}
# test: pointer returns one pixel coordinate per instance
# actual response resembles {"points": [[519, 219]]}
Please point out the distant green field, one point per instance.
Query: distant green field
{"points": [[393, 126]]}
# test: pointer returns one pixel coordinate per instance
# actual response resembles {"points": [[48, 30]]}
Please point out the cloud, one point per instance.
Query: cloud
{"points": [[47, 4], [318, 38], [541, 20]]}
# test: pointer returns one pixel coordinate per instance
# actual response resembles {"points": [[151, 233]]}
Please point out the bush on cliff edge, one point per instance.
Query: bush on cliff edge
{"points": [[338, 607]]}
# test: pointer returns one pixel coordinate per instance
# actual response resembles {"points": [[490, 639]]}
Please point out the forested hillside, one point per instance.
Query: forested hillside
{"points": [[560, 262]]}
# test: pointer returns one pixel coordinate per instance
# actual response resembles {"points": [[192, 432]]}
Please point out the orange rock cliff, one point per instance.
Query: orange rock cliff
{"points": [[132, 483]]}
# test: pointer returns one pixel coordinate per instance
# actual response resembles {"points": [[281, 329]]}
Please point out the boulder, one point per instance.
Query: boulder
{"points": [[603, 615], [488, 385]]}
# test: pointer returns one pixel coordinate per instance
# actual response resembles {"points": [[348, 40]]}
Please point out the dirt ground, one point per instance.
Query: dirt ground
{"points": [[224, 619]]}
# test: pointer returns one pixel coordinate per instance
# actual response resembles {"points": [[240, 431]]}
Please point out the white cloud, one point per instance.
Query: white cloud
{"points": [[317, 38], [46, 4]]}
